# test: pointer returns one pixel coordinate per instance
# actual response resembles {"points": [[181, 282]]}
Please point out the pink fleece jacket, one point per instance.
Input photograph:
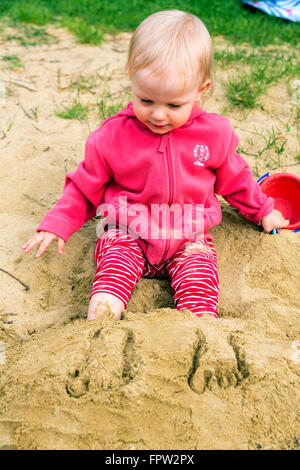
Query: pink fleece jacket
{"points": [[126, 164]]}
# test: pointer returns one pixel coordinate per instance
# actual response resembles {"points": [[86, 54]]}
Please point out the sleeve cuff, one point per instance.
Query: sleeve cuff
{"points": [[266, 209], [60, 227]]}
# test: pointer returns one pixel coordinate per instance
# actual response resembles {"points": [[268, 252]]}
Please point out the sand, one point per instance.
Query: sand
{"points": [[158, 378]]}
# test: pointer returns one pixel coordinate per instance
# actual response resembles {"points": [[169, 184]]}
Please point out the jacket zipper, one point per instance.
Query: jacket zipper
{"points": [[168, 154]]}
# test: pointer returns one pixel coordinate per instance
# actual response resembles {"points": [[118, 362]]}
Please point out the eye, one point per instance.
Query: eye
{"points": [[146, 101], [174, 106]]}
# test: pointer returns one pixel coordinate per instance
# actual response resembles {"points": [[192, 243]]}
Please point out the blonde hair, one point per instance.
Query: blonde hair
{"points": [[175, 41]]}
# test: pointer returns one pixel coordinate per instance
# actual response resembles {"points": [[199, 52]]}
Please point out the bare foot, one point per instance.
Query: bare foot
{"points": [[101, 302]]}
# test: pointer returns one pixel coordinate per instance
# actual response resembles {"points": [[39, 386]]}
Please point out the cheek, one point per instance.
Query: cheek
{"points": [[181, 117], [139, 111]]}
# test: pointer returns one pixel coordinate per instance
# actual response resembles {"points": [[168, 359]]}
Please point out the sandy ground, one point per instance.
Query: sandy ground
{"points": [[158, 379]]}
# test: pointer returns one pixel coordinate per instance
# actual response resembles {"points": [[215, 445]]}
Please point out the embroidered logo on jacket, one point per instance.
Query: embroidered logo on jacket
{"points": [[201, 154]]}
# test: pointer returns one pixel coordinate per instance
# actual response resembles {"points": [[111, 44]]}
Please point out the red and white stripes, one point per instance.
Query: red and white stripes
{"points": [[193, 274]]}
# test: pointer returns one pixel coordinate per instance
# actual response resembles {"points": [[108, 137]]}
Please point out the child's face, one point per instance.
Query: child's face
{"points": [[160, 103]]}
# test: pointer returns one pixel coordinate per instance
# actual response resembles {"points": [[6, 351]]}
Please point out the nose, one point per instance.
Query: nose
{"points": [[158, 114]]}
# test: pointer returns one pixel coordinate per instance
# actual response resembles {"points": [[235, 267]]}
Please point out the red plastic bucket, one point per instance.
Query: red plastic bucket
{"points": [[284, 188]]}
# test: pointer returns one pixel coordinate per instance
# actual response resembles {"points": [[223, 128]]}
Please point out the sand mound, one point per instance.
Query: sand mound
{"points": [[157, 379]]}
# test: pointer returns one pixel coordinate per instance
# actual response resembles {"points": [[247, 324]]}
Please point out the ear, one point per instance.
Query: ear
{"points": [[203, 87]]}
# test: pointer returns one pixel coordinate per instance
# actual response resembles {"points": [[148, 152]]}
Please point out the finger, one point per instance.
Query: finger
{"points": [[26, 244], [45, 242], [60, 245], [283, 224], [35, 240], [43, 246]]}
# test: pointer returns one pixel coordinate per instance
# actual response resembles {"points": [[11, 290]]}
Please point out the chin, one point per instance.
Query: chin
{"points": [[157, 130]]}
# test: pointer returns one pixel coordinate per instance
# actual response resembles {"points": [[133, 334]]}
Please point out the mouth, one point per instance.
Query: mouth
{"points": [[159, 126]]}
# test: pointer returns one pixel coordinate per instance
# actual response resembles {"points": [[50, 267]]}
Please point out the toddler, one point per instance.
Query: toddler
{"points": [[153, 171]]}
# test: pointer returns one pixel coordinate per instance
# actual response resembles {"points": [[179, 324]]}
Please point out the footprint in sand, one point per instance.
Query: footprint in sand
{"points": [[215, 364], [109, 364]]}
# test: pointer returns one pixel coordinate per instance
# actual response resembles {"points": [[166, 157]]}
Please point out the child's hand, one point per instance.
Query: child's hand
{"points": [[273, 220], [43, 239]]}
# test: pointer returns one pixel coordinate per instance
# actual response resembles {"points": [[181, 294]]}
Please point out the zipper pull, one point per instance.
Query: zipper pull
{"points": [[163, 143]]}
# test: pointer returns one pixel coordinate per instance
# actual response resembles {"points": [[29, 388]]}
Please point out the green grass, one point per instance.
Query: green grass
{"points": [[13, 61], [271, 152], [85, 32], [257, 70], [106, 109], [30, 35], [90, 18], [84, 84], [75, 111], [27, 12], [242, 91]]}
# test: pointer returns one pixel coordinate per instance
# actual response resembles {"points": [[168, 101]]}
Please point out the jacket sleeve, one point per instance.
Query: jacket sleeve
{"points": [[82, 194], [235, 182]]}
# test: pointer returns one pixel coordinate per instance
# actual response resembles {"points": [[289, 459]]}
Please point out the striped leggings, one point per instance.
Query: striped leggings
{"points": [[121, 263]]}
